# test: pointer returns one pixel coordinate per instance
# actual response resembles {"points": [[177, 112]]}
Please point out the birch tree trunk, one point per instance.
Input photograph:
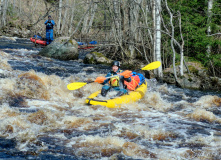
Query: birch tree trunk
{"points": [[93, 10], [210, 6], [181, 47], [65, 16], [72, 17], [59, 19], [158, 37], [154, 28]]}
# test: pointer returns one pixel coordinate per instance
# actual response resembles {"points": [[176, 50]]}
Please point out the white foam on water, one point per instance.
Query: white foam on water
{"points": [[166, 128]]}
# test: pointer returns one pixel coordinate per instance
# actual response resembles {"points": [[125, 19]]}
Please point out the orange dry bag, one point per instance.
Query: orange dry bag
{"points": [[135, 80]]}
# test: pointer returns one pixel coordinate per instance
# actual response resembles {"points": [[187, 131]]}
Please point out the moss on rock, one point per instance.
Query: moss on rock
{"points": [[96, 58]]}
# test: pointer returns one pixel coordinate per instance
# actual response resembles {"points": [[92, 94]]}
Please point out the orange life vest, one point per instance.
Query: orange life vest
{"points": [[133, 84]]}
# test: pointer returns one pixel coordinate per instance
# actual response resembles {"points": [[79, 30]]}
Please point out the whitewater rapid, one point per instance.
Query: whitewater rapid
{"points": [[41, 118]]}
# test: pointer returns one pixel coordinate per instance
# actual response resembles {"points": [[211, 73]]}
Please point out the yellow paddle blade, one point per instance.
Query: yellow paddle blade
{"points": [[153, 65], [75, 85]]}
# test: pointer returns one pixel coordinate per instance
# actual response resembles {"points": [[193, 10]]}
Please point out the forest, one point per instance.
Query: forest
{"points": [[171, 31]]}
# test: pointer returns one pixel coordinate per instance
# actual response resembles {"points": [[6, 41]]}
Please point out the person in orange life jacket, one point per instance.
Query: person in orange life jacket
{"points": [[115, 83], [49, 29]]}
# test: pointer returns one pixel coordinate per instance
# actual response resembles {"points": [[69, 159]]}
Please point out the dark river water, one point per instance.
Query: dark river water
{"points": [[41, 119]]}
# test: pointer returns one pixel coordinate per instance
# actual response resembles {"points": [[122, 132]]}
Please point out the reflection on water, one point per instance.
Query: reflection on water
{"points": [[41, 119]]}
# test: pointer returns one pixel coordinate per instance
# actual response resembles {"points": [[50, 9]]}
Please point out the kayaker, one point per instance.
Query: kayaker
{"points": [[117, 82], [49, 29]]}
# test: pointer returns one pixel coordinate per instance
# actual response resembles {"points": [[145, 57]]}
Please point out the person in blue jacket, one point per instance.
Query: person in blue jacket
{"points": [[115, 82], [49, 29]]}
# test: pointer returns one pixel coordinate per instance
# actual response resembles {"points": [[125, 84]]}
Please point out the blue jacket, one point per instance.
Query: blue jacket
{"points": [[49, 25]]}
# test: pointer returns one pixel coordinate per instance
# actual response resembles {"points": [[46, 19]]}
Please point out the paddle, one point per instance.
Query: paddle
{"points": [[151, 66], [77, 85]]}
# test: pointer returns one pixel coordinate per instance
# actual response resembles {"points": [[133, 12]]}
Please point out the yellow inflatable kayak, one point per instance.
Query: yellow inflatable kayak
{"points": [[131, 97]]}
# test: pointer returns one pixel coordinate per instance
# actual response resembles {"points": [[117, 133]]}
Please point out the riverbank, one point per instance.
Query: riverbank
{"points": [[195, 77]]}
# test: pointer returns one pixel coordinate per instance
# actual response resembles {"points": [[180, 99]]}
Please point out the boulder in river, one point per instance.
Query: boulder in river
{"points": [[96, 58], [58, 49]]}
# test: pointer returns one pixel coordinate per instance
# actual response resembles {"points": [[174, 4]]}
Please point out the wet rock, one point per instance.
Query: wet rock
{"points": [[96, 58], [196, 79], [189, 81], [59, 49]]}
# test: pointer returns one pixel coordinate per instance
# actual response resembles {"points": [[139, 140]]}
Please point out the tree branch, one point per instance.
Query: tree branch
{"points": [[214, 34]]}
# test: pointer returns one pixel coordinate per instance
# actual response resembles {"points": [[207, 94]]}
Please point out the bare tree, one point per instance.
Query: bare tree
{"points": [[20, 8], [72, 17], [117, 23], [65, 16], [59, 19], [171, 41], [93, 10], [146, 10], [34, 7], [85, 23], [1, 9], [13, 5], [79, 23], [134, 7], [4, 10]]}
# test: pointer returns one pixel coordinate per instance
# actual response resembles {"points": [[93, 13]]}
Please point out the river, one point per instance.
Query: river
{"points": [[41, 119]]}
